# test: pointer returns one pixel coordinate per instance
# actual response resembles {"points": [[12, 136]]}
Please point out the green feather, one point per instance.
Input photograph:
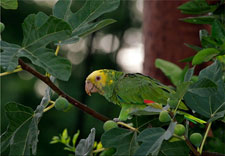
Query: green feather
{"points": [[130, 90]]}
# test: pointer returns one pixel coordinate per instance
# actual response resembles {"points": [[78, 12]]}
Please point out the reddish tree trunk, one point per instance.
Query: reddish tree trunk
{"points": [[165, 35]]}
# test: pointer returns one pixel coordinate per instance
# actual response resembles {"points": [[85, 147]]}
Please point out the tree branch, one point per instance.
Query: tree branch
{"points": [[61, 93]]}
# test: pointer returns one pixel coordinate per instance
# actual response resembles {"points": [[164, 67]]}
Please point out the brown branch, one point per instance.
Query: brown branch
{"points": [[193, 149], [61, 93]]}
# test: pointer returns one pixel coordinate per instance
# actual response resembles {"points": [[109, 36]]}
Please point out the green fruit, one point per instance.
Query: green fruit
{"points": [[196, 139], [109, 125], [179, 129], [164, 116], [61, 104], [2, 27], [68, 108]]}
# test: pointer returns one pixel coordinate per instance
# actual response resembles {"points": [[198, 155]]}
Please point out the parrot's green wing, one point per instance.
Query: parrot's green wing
{"points": [[135, 88], [132, 89]]}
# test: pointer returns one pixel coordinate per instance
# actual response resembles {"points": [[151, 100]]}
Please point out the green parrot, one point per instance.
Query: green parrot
{"points": [[126, 90]]}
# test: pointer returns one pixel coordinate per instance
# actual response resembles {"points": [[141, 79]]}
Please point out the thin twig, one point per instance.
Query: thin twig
{"points": [[61, 93]]}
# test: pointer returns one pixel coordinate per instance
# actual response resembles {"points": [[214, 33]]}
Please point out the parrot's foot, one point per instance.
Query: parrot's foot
{"points": [[116, 119]]}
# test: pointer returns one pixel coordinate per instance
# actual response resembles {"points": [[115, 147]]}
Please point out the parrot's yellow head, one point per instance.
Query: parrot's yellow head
{"points": [[96, 81]]}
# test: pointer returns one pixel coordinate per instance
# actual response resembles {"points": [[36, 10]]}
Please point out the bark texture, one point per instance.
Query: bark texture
{"points": [[165, 35]]}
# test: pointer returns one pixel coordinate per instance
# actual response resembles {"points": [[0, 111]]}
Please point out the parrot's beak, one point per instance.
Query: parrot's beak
{"points": [[90, 88]]}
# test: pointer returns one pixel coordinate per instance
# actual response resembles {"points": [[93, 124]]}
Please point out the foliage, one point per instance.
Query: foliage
{"points": [[9, 4], [144, 134], [39, 31], [65, 139]]}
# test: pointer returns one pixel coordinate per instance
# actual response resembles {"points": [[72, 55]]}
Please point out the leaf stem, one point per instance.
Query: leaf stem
{"points": [[61, 93], [174, 114], [126, 125], [57, 49], [14, 71], [205, 136], [49, 107]]}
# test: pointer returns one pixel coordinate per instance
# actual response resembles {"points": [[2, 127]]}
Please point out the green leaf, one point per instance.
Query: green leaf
{"points": [[40, 30], [181, 89], [152, 139], [64, 136], [31, 129], [124, 140], [42, 57], [199, 19], [203, 87], [33, 140], [17, 134], [177, 148], [218, 115], [189, 74], [170, 70], [90, 11], [81, 21], [85, 145], [197, 7], [170, 130], [90, 28], [69, 149], [218, 30], [188, 59], [213, 104], [9, 4], [208, 41], [9, 58], [178, 96], [194, 47], [70, 40], [203, 33], [62, 9], [55, 139], [204, 55], [75, 138], [86, 30], [86, 14]]}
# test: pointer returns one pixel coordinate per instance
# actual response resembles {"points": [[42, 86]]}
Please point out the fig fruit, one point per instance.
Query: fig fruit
{"points": [[2, 27], [179, 129], [164, 116], [196, 139], [109, 125], [61, 104]]}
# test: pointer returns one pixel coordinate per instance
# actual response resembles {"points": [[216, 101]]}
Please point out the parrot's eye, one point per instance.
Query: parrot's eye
{"points": [[98, 78]]}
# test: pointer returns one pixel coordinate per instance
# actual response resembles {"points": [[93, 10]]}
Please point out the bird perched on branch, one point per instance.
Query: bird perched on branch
{"points": [[126, 90]]}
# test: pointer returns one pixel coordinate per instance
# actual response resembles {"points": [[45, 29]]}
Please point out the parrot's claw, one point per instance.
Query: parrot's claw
{"points": [[116, 119]]}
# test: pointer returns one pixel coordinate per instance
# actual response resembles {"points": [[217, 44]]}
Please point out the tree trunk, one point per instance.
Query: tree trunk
{"points": [[165, 35]]}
